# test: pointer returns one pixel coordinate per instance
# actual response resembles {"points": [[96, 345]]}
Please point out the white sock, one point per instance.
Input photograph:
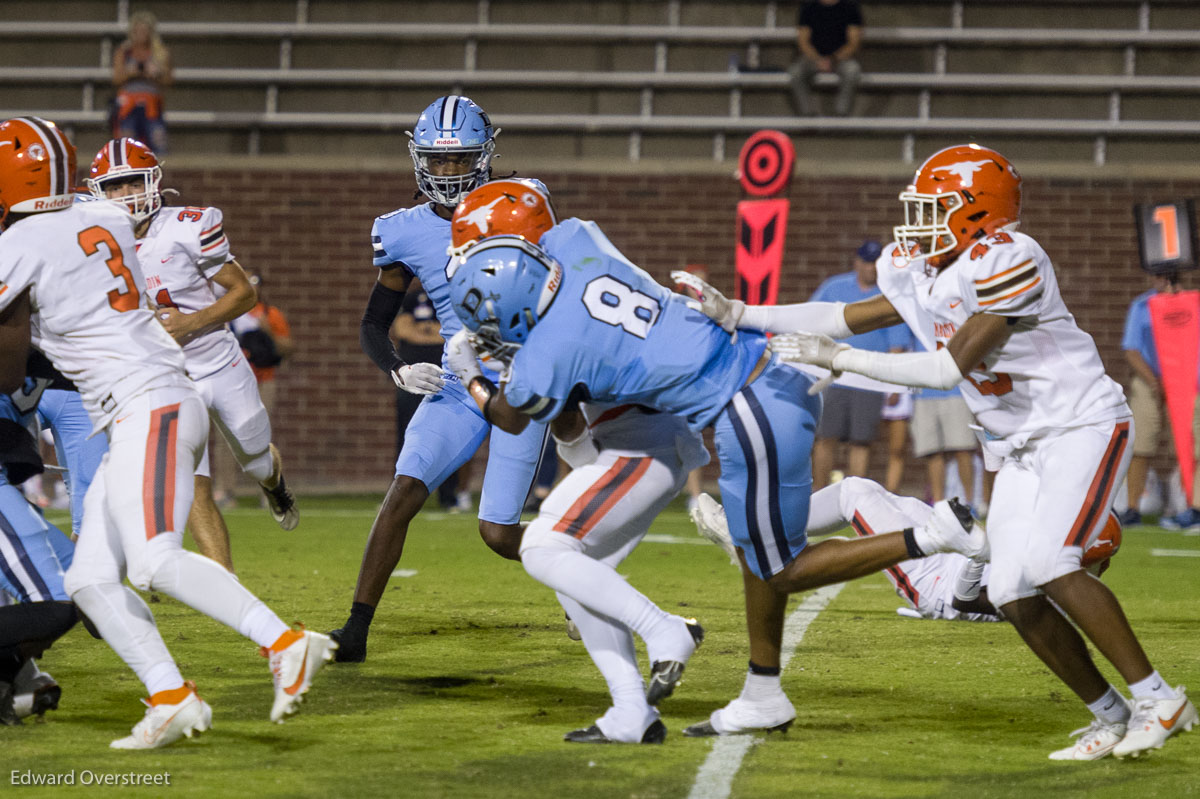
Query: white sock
{"points": [[836, 506], [162, 677], [598, 587], [610, 645], [260, 466], [208, 587], [127, 625], [1153, 687], [760, 687], [1111, 708]]}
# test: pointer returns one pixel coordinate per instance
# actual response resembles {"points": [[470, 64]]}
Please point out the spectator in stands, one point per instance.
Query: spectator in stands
{"points": [[828, 36], [266, 340], [417, 336], [141, 70], [852, 415], [1145, 393]]}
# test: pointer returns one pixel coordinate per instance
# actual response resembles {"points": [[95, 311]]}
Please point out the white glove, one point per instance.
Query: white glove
{"points": [[811, 348], [462, 358], [712, 303], [418, 378], [578, 453]]}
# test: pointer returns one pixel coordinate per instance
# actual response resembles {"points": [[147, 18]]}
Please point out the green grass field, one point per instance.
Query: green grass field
{"points": [[470, 683]]}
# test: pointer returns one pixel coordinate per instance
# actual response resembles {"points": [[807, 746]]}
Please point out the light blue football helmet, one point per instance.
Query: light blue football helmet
{"points": [[452, 124], [500, 288]]}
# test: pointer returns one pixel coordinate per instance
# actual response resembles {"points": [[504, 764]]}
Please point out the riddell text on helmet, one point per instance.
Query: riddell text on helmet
{"points": [[54, 204]]}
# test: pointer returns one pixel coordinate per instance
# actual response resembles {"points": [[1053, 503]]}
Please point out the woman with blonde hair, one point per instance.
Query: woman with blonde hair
{"points": [[141, 71]]}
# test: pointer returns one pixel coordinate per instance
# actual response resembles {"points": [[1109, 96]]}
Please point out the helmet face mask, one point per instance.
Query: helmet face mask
{"points": [[451, 149], [125, 163], [487, 342], [958, 196], [926, 229]]}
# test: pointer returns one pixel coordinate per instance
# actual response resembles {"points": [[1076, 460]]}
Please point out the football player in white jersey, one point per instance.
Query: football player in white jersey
{"points": [[70, 285], [196, 287], [946, 585], [984, 301]]}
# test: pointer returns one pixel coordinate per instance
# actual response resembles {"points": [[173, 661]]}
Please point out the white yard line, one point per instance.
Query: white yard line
{"points": [[1175, 553], [714, 780]]}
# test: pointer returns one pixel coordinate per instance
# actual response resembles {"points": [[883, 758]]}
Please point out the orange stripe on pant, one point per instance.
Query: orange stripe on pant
{"points": [[1102, 485], [158, 477], [598, 500], [898, 576]]}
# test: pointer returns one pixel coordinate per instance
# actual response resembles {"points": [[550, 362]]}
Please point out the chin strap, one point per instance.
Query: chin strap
{"points": [[917, 369]]}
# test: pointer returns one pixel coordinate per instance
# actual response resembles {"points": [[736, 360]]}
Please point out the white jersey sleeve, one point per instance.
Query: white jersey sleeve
{"points": [[1007, 276], [206, 240]]}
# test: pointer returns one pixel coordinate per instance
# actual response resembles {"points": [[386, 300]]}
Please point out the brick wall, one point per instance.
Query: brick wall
{"points": [[308, 234]]}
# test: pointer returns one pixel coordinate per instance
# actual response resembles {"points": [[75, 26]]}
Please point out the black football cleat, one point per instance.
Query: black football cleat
{"points": [[45, 698], [8, 716], [282, 505], [656, 733], [665, 674], [351, 648], [705, 729]]}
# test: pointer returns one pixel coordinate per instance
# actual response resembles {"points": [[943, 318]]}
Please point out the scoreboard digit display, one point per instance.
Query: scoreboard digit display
{"points": [[1167, 236]]}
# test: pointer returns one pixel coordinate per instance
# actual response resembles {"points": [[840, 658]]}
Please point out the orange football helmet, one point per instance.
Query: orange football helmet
{"points": [[507, 207], [124, 160], [37, 167], [958, 195]]}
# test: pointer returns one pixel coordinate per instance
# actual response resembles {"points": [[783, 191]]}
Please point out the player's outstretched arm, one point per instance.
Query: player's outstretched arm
{"points": [[834, 319], [14, 342], [942, 369]]}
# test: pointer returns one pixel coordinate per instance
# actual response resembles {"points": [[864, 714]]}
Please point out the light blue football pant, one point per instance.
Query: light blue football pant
{"points": [[63, 412], [764, 439], [443, 435], [34, 554]]}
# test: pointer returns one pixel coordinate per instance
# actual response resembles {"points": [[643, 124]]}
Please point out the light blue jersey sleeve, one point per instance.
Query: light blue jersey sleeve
{"points": [[613, 334]]}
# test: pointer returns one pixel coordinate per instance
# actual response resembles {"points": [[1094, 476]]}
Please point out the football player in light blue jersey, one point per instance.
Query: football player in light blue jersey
{"points": [[451, 148], [34, 554], [579, 321]]}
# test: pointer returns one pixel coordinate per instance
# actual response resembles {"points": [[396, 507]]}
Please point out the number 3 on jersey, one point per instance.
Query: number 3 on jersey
{"points": [[90, 241], [612, 302]]}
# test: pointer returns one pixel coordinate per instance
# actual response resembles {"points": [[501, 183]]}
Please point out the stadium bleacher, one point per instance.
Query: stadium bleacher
{"points": [[1104, 80]]}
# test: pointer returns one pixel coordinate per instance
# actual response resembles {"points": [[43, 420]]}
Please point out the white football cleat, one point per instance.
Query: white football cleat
{"points": [[743, 716], [710, 521], [165, 724], [1097, 740], [293, 669], [951, 528], [1156, 720]]}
